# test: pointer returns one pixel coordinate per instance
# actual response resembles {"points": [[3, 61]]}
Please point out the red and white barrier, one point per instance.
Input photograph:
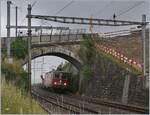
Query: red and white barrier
{"points": [[121, 57]]}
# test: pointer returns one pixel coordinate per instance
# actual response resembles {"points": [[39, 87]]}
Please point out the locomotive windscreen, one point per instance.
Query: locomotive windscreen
{"points": [[62, 75]]}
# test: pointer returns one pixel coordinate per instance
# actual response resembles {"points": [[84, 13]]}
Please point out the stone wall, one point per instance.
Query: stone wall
{"points": [[108, 82]]}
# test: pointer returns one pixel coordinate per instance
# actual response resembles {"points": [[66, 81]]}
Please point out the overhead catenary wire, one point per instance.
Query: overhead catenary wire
{"points": [[101, 10], [33, 4], [130, 8], [127, 9], [67, 5]]}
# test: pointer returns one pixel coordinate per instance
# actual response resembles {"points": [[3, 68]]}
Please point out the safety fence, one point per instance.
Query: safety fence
{"points": [[121, 57]]}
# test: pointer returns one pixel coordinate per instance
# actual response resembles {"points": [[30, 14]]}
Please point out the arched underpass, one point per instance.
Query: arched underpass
{"points": [[70, 59]]}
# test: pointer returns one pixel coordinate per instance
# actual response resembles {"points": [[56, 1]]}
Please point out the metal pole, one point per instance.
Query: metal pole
{"points": [[29, 46], [41, 34], [51, 34], [143, 38], [144, 49], [16, 20], [60, 35], [126, 89], [8, 30]]}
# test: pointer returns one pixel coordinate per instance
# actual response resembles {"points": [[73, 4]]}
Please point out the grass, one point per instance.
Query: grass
{"points": [[14, 102]]}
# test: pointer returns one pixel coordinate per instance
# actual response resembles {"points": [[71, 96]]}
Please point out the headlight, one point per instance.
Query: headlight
{"points": [[55, 83], [65, 84]]}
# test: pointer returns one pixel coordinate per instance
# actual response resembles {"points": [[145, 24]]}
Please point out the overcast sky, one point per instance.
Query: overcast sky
{"points": [[131, 10]]}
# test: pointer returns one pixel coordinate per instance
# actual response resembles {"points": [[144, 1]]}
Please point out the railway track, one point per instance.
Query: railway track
{"points": [[70, 106], [131, 108], [84, 105]]}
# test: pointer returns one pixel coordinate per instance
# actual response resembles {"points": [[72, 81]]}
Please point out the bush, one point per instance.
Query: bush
{"points": [[14, 73], [87, 50], [86, 72], [87, 54], [19, 48]]}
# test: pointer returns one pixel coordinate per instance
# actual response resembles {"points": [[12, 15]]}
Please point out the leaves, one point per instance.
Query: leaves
{"points": [[87, 53], [87, 72], [19, 48], [15, 73]]}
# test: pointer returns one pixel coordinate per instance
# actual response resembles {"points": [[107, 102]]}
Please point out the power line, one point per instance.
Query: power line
{"points": [[137, 4], [128, 9], [100, 11], [47, 22], [67, 5], [33, 4]]}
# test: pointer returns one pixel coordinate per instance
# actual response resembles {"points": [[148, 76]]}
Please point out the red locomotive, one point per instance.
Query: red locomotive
{"points": [[56, 79]]}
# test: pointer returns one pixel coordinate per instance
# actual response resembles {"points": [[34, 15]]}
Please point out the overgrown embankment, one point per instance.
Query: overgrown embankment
{"points": [[13, 101], [15, 82], [104, 78], [14, 72]]}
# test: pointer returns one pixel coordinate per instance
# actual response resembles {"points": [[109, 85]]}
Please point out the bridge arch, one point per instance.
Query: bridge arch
{"points": [[59, 52]]}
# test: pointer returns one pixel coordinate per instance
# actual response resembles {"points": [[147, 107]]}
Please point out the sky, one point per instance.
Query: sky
{"points": [[80, 8], [130, 10]]}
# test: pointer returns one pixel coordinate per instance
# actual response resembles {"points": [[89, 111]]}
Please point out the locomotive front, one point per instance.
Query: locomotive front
{"points": [[56, 79]]}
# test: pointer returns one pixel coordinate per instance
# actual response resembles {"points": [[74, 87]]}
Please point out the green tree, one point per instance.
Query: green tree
{"points": [[15, 73], [60, 67], [19, 48]]}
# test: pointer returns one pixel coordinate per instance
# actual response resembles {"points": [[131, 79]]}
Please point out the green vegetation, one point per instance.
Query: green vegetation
{"points": [[60, 67], [15, 98], [14, 73], [19, 48], [87, 72], [87, 53], [14, 102]]}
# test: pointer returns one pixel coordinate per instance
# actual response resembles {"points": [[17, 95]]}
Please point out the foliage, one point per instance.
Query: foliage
{"points": [[67, 67], [86, 71], [87, 50], [14, 102], [15, 73], [19, 48], [60, 67], [87, 54], [3, 53]]}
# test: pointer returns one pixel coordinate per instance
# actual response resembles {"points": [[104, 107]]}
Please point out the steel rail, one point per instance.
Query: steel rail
{"points": [[122, 106], [114, 105], [65, 105]]}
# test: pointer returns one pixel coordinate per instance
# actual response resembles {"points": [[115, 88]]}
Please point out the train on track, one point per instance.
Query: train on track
{"points": [[56, 79]]}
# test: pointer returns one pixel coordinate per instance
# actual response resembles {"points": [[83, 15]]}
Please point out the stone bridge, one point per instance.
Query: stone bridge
{"points": [[67, 45]]}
